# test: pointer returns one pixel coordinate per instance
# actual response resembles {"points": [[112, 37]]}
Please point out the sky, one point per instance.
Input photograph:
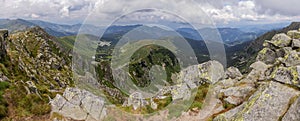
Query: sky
{"points": [[98, 12]]}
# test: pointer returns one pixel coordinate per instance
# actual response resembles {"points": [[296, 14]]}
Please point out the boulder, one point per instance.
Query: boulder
{"points": [[296, 43], [236, 95], [293, 113], [266, 55], [268, 103], [233, 73], [211, 71], [294, 34], [291, 59], [79, 105], [281, 40], [287, 75], [258, 71], [283, 51]]}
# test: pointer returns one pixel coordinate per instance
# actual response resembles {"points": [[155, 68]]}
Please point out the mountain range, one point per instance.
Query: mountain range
{"points": [[230, 36]]}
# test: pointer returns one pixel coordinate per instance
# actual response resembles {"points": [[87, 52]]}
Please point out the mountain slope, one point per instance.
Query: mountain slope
{"points": [[36, 70], [246, 57]]}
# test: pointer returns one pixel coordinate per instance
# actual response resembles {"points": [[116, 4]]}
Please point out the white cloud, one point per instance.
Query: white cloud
{"points": [[283, 7], [221, 11]]}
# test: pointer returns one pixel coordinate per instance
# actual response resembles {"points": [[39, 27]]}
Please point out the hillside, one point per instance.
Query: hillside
{"points": [[36, 70], [248, 54], [36, 79], [270, 91]]}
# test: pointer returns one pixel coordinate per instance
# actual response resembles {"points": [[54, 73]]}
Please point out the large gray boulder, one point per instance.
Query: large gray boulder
{"points": [[79, 104], [268, 103], [291, 59], [258, 71], [266, 55], [233, 73], [296, 43], [281, 40], [211, 71], [293, 113], [294, 34], [236, 95], [287, 75]]}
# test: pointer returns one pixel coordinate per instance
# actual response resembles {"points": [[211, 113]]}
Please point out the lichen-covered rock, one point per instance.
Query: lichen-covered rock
{"points": [[268, 103], [211, 71], [296, 43], [233, 73], [291, 59], [293, 113], [266, 55], [79, 104], [281, 40], [236, 95], [287, 75], [258, 71], [226, 83], [294, 34], [283, 51]]}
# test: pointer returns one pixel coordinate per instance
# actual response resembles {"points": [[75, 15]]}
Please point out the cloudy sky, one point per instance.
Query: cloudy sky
{"points": [[99, 12]]}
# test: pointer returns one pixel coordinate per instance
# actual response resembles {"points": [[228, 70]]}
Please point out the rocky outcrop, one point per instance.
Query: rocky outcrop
{"points": [[269, 103], [36, 56], [270, 91], [276, 73], [78, 104], [3, 39], [293, 113]]}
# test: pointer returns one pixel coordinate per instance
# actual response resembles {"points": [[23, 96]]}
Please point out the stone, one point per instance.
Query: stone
{"points": [[3, 37], [211, 71], [294, 34], [228, 82], [236, 95], [72, 111], [281, 40], [282, 74], [190, 76], [233, 73], [266, 55], [293, 113], [258, 71], [32, 87], [136, 100], [153, 104], [296, 43], [181, 91], [268, 103], [283, 51], [79, 104], [291, 59]]}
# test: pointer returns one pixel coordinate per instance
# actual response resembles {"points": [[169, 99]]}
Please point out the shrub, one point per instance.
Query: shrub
{"points": [[40, 109], [3, 111]]}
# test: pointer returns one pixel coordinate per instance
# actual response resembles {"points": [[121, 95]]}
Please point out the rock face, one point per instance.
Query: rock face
{"points": [[269, 92], [276, 74], [79, 104], [211, 71], [36, 56], [269, 103], [3, 38], [293, 113]]}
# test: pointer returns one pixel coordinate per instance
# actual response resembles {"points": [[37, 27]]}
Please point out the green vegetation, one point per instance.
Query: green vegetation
{"points": [[145, 58], [3, 101], [86, 45], [200, 96], [28, 104]]}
